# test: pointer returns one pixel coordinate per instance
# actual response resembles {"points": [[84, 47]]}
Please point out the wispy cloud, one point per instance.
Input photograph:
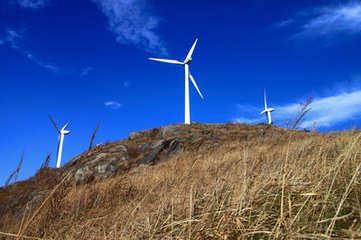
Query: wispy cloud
{"points": [[40, 63], [329, 111], [326, 21], [133, 23], [283, 23], [247, 114], [126, 84], [113, 105], [33, 4], [85, 71], [247, 120], [325, 112], [13, 38]]}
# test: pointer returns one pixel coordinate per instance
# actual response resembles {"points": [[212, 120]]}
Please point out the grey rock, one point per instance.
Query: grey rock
{"points": [[174, 147], [147, 133], [118, 148], [104, 170], [82, 174], [98, 157], [154, 149], [101, 169], [158, 144], [174, 130], [135, 135], [143, 147]]}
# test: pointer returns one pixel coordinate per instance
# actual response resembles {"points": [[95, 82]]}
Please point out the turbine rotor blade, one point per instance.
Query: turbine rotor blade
{"points": [[195, 85], [265, 99], [66, 125], [167, 61], [189, 56], [56, 126]]}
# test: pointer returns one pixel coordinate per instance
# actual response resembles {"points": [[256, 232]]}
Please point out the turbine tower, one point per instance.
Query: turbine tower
{"points": [[62, 133], [267, 110], [188, 75]]}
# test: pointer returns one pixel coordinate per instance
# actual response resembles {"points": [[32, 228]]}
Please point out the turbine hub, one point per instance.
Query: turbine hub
{"points": [[65, 132]]}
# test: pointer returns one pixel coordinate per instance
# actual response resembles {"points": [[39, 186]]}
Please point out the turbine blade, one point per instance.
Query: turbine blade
{"points": [[189, 56], [265, 99], [166, 61], [66, 125], [195, 85], [52, 120], [264, 111]]}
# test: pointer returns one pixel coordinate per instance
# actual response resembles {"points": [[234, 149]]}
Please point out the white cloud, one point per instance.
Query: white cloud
{"points": [[330, 111], [329, 21], [325, 112], [132, 23], [33, 4], [13, 38], [113, 104], [345, 19]]}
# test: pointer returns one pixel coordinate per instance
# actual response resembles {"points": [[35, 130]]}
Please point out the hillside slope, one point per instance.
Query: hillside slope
{"points": [[229, 181]]}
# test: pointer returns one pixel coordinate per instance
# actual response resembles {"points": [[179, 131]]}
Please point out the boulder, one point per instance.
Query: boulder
{"points": [[117, 148], [174, 130], [104, 170], [98, 158], [135, 135], [154, 149], [82, 174], [147, 133], [174, 147]]}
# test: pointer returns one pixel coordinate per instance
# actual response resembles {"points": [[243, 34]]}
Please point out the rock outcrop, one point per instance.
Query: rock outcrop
{"points": [[148, 147]]}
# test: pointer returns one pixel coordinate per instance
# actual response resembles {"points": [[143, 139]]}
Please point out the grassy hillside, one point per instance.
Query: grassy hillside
{"points": [[228, 181]]}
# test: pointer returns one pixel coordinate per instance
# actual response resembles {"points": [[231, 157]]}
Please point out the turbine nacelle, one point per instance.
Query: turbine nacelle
{"points": [[65, 132], [187, 61], [267, 110]]}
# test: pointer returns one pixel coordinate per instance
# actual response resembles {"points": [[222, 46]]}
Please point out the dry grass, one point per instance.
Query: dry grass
{"points": [[279, 187]]}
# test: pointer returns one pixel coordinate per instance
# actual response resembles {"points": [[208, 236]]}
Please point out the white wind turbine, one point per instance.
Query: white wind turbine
{"points": [[188, 75], [267, 110], [62, 133]]}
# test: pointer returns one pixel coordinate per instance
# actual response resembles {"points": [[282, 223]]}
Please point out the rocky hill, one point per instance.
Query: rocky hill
{"points": [[227, 181]]}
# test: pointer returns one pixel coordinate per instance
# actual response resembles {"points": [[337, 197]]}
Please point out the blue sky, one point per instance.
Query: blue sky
{"points": [[87, 60]]}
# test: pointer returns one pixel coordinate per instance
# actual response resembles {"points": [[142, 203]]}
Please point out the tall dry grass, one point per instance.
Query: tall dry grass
{"points": [[289, 188]]}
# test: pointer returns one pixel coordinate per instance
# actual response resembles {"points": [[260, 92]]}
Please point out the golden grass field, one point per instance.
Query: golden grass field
{"points": [[255, 182]]}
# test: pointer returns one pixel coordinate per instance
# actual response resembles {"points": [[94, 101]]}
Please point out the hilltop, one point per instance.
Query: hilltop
{"points": [[214, 181]]}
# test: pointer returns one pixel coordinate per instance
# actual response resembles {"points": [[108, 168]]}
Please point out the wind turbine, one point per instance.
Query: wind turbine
{"points": [[188, 75], [267, 110], [62, 133]]}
